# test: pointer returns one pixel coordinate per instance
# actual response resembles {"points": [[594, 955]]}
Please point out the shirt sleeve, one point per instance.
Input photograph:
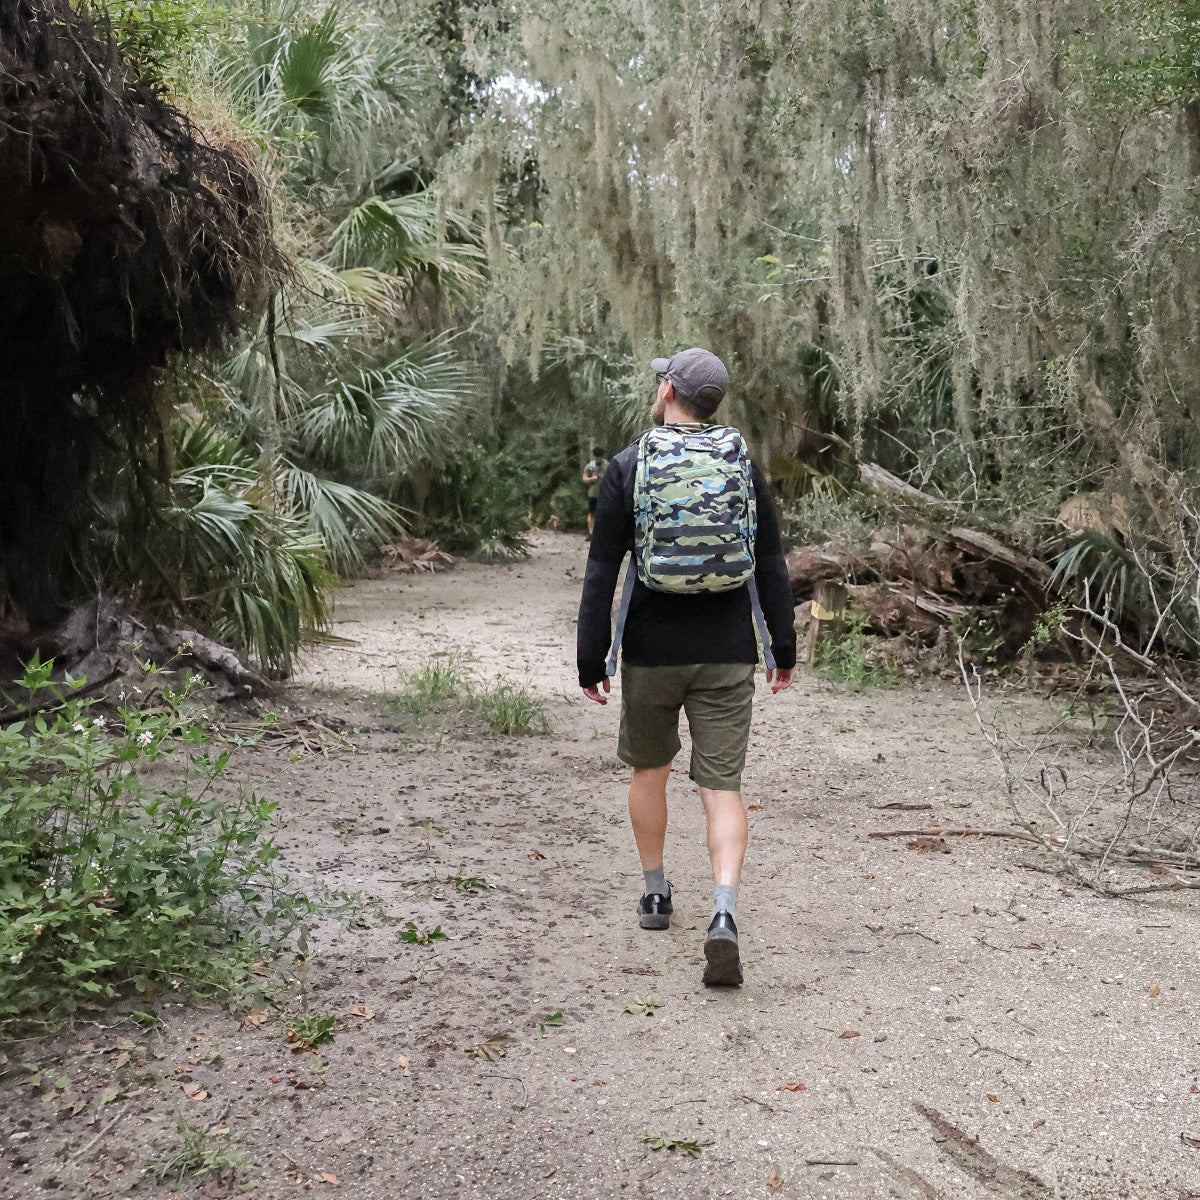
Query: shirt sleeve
{"points": [[612, 538], [771, 576]]}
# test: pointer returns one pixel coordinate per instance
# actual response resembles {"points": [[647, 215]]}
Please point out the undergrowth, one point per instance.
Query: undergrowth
{"points": [[442, 682], [854, 658], [120, 865], [195, 1152]]}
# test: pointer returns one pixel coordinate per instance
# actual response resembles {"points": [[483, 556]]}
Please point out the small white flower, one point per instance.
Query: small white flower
{"points": [[16, 958], [100, 722], [79, 727], [145, 737], [47, 884], [176, 984], [37, 929]]}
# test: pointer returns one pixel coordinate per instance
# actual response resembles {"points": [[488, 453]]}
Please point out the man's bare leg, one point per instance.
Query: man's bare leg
{"points": [[648, 812], [727, 837], [728, 833]]}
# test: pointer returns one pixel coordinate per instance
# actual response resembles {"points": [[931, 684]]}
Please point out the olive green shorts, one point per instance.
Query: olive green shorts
{"points": [[717, 698]]}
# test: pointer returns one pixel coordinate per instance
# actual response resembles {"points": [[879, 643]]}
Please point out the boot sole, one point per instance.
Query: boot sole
{"points": [[655, 922], [724, 967]]}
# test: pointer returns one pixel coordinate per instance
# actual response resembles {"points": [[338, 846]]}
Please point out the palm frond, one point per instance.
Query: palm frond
{"points": [[406, 236], [374, 291], [385, 421], [344, 517]]}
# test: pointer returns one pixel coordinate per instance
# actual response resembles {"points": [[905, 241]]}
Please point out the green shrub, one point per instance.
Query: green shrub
{"points": [[568, 505], [432, 684], [509, 708], [854, 658], [820, 517], [108, 882]]}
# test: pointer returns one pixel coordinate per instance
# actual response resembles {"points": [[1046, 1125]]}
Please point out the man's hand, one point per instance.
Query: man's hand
{"points": [[780, 678], [593, 692]]}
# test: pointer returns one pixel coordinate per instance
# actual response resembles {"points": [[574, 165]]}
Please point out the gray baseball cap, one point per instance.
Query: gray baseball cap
{"points": [[698, 375]]}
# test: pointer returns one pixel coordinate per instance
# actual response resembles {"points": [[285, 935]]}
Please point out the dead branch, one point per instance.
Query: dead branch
{"points": [[940, 831]]}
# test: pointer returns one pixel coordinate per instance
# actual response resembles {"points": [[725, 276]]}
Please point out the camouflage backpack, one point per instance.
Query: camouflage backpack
{"points": [[693, 510], [695, 520]]}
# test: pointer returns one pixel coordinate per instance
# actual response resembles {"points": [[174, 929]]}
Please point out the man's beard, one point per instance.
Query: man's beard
{"points": [[658, 411]]}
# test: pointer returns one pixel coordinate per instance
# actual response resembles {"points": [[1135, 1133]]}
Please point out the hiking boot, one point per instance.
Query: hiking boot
{"points": [[654, 910], [724, 964]]}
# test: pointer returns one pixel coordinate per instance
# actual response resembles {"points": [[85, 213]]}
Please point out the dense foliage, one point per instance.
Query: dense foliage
{"points": [[108, 881], [953, 237]]}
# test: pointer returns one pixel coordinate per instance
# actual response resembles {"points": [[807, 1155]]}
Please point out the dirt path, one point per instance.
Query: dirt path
{"points": [[913, 1024]]}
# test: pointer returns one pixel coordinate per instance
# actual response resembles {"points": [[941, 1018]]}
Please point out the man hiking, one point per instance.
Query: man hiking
{"points": [[593, 473], [698, 517]]}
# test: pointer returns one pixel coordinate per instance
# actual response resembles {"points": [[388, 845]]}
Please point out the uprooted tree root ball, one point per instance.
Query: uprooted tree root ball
{"points": [[124, 237]]}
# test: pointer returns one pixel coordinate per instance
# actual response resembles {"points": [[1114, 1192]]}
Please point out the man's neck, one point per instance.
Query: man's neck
{"points": [[675, 414]]}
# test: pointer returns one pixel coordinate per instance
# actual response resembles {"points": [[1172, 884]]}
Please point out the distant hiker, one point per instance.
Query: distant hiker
{"points": [[593, 474], [697, 516]]}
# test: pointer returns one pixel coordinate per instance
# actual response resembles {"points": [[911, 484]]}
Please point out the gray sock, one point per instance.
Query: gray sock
{"points": [[725, 899], [656, 882]]}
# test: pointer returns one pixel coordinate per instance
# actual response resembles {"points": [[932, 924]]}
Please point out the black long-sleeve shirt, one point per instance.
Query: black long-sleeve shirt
{"points": [[667, 629]]}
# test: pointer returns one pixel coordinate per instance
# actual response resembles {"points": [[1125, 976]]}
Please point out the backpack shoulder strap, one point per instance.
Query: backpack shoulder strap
{"points": [[610, 667]]}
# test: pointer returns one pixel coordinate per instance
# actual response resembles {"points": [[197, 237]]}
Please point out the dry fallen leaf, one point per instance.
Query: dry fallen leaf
{"points": [[850, 1033], [364, 1011], [122, 1059], [792, 1087], [1188, 1140], [536, 855], [193, 1091], [326, 1177], [1156, 991], [774, 1181], [993, 1099], [254, 1018], [402, 1062]]}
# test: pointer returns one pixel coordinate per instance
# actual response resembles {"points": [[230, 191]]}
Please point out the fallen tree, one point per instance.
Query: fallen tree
{"points": [[126, 236], [927, 568]]}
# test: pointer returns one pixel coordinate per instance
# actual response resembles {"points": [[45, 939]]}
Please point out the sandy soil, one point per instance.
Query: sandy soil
{"points": [[914, 1023]]}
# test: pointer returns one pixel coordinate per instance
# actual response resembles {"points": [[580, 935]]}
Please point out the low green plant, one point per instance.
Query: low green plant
{"points": [[552, 1020], [469, 884], [1047, 629], [507, 708], [432, 685], [109, 881], [510, 708], [829, 515], [415, 936], [306, 1033], [643, 1006], [852, 658], [663, 1141], [196, 1151]]}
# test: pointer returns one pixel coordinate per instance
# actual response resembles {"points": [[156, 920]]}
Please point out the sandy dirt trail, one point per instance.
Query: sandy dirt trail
{"points": [[914, 1024]]}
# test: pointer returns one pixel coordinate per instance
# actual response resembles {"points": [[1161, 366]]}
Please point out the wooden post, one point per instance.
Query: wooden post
{"points": [[828, 608]]}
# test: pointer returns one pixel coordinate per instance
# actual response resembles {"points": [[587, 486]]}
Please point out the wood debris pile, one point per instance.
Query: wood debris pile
{"points": [[918, 574], [412, 554], [127, 660]]}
